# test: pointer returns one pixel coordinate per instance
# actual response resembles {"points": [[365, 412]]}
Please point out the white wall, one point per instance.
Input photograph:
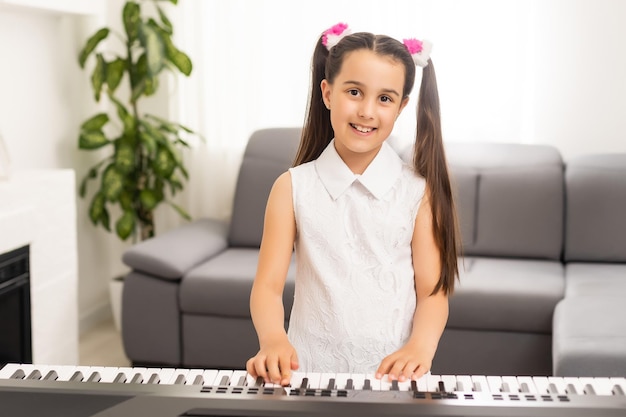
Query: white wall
{"points": [[574, 96]]}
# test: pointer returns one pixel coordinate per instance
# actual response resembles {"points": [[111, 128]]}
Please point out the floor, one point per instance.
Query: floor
{"points": [[102, 346]]}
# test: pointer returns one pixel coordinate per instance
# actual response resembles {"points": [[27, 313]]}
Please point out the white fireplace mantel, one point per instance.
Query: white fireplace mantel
{"points": [[38, 208]]}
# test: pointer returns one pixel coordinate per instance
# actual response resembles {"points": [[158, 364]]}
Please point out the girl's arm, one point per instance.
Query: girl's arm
{"points": [[431, 314], [276, 357]]}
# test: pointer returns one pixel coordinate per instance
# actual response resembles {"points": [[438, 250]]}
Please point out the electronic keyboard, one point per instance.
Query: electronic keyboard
{"points": [[28, 390]]}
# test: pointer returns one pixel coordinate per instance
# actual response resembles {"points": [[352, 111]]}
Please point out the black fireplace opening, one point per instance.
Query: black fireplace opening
{"points": [[15, 318]]}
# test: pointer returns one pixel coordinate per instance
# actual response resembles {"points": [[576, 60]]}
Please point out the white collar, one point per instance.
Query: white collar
{"points": [[378, 178]]}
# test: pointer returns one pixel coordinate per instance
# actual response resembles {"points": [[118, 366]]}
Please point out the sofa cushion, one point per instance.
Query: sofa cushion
{"points": [[596, 203], [221, 286], [518, 207], [506, 294], [595, 279], [589, 337], [269, 153]]}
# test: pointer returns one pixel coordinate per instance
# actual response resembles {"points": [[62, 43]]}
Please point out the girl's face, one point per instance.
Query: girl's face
{"points": [[364, 100]]}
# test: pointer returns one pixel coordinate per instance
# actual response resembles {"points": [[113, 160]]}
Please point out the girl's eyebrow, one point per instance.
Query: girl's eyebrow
{"points": [[384, 90]]}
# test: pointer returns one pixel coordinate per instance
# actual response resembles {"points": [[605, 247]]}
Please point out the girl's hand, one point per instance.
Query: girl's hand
{"points": [[274, 362], [410, 362]]}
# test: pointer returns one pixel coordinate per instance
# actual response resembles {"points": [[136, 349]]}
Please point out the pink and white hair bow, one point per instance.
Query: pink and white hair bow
{"points": [[419, 50], [333, 35]]}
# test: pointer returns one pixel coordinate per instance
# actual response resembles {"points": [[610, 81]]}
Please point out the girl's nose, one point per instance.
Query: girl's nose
{"points": [[366, 110]]}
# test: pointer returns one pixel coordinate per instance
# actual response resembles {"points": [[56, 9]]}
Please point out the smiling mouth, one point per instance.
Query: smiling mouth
{"points": [[362, 129]]}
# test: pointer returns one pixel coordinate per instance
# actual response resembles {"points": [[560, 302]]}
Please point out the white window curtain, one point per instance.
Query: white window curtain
{"points": [[251, 71]]}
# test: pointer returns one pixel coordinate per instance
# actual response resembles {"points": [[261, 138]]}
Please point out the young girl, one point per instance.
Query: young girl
{"points": [[375, 239]]}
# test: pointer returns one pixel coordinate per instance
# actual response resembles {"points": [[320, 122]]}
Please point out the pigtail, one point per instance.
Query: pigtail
{"points": [[317, 131], [430, 162]]}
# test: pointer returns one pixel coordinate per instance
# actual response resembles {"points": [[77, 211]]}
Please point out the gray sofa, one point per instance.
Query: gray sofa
{"points": [[542, 281]]}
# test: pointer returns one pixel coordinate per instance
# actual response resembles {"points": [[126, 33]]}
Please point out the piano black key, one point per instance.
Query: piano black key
{"points": [[367, 385], [154, 379], [441, 387], [77, 377], [137, 379], [552, 388], [120, 378], [589, 390], [305, 383], [225, 380], [199, 380], [394, 385], [617, 390], [36, 375], [51, 376], [571, 389], [524, 387], [414, 385], [350, 384], [505, 387], [259, 382], [18, 374], [477, 387], [242, 381], [95, 377], [180, 380], [331, 384]]}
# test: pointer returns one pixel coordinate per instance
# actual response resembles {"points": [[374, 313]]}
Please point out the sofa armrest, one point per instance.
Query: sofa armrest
{"points": [[171, 254]]}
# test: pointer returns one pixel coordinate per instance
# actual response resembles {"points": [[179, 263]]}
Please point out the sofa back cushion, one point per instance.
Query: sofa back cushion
{"points": [[510, 199], [596, 208], [269, 153]]}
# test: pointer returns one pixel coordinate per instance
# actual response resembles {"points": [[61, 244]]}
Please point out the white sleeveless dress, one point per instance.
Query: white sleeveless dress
{"points": [[355, 288]]}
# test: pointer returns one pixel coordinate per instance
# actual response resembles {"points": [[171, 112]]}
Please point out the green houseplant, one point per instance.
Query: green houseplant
{"points": [[144, 166]]}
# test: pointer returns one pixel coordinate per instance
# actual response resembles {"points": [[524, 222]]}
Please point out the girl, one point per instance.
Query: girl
{"points": [[375, 238]]}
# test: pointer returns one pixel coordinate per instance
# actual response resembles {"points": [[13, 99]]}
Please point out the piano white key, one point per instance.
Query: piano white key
{"points": [[358, 381], [8, 370], [479, 383], [195, 375], [464, 383], [558, 383], [178, 377], [404, 385], [422, 383], [574, 386], [325, 379], [449, 382], [542, 384], [296, 379], [527, 383], [432, 382], [314, 380], [223, 377], [495, 383], [512, 383], [107, 374], [165, 375], [619, 385], [341, 380], [210, 375], [375, 383], [384, 384], [602, 386], [238, 378]]}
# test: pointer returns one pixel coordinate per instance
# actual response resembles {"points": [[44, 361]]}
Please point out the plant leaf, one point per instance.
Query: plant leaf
{"points": [[167, 25], [154, 49], [115, 72], [125, 158], [96, 122], [91, 45], [98, 76], [180, 210], [96, 208], [112, 183], [148, 199], [180, 61], [127, 119], [93, 173], [164, 163], [148, 142], [92, 140], [132, 20], [125, 225]]}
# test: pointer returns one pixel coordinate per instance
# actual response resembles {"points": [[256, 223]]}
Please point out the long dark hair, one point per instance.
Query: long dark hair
{"points": [[429, 158]]}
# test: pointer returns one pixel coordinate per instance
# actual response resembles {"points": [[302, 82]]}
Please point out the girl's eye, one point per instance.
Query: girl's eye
{"points": [[386, 99], [353, 92]]}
